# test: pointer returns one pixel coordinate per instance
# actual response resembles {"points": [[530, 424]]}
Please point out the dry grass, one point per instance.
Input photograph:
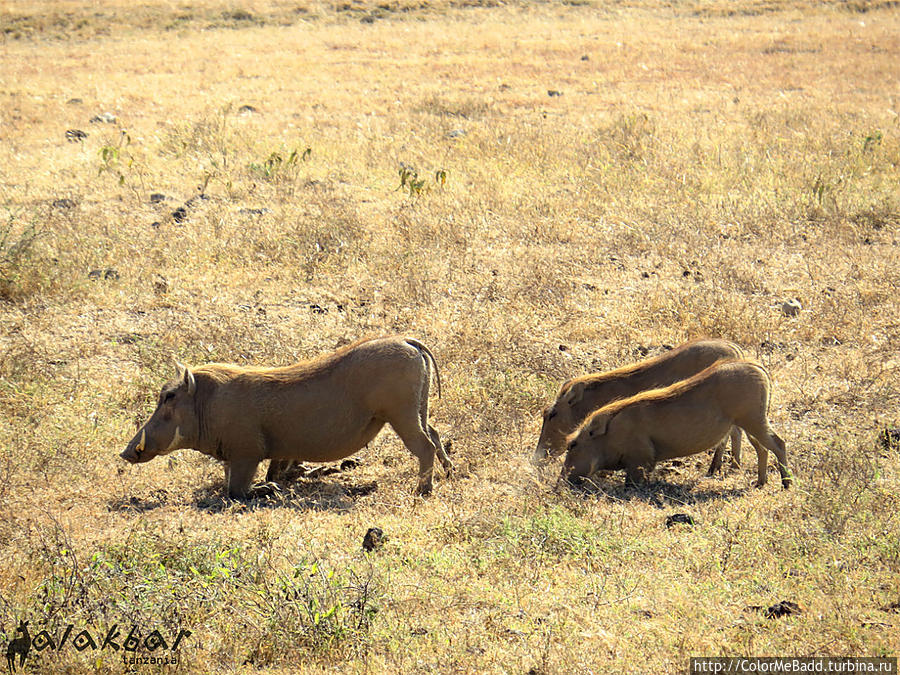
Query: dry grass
{"points": [[705, 162]]}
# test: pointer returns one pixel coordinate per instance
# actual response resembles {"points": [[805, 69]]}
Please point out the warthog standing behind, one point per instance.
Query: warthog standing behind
{"points": [[580, 396], [318, 411], [679, 420]]}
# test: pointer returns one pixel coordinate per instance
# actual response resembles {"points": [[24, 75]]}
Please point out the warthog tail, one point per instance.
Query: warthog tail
{"points": [[422, 348]]}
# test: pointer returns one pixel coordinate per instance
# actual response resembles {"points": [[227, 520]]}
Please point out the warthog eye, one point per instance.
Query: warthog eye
{"points": [[551, 414], [169, 395]]}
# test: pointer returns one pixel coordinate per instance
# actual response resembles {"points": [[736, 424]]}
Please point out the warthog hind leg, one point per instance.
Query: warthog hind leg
{"points": [[441, 452], [284, 470], [762, 461], [419, 444], [771, 441]]}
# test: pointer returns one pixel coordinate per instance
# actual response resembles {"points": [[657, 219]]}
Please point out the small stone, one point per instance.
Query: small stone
{"points": [[456, 133], [890, 438], [679, 518], [791, 307], [374, 539], [157, 197], [63, 203], [247, 110], [103, 118], [75, 135], [179, 215], [554, 92], [110, 274], [783, 608]]}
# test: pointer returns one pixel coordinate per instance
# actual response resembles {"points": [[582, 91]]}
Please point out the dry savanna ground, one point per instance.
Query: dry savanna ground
{"points": [[586, 183]]}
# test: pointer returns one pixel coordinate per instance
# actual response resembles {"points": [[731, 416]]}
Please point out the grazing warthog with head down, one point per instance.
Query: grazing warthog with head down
{"points": [[318, 411], [580, 396], [679, 420]]}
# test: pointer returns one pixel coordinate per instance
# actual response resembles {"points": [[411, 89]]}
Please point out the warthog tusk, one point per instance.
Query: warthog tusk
{"points": [[139, 448]]}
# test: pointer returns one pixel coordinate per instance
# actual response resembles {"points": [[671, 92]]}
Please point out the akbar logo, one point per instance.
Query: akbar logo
{"points": [[24, 644], [20, 645]]}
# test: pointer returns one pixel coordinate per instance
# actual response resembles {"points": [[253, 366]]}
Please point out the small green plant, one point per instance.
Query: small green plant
{"points": [[313, 609], [114, 158], [629, 137], [276, 165], [825, 191], [871, 140], [409, 179], [16, 246]]}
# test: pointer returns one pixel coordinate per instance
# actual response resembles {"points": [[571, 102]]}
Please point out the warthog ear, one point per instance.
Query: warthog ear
{"points": [[575, 393], [598, 425], [186, 377]]}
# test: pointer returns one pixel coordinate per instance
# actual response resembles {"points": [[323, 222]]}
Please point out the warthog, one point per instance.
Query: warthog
{"points": [[580, 396], [679, 420], [318, 411]]}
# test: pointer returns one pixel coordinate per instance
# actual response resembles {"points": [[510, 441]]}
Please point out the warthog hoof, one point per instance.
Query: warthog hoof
{"points": [[268, 489]]}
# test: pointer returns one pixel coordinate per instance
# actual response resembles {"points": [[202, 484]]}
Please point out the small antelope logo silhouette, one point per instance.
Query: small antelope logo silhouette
{"points": [[20, 645]]}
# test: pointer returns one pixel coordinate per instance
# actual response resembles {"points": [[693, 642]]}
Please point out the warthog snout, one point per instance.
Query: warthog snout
{"points": [[569, 476], [132, 453]]}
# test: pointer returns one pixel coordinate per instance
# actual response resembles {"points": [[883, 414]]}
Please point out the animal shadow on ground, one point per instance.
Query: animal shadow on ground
{"points": [[304, 495], [309, 492], [658, 493], [135, 504]]}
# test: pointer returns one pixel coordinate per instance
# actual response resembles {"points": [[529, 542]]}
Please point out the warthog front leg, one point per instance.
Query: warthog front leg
{"points": [[720, 451], [238, 476], [639, 462], [716, 463], [636, 474]]}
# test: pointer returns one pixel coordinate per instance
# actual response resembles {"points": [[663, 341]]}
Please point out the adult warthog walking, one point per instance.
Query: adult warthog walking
{"points": [[580, 396], [320, 410], [676, 421]]}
